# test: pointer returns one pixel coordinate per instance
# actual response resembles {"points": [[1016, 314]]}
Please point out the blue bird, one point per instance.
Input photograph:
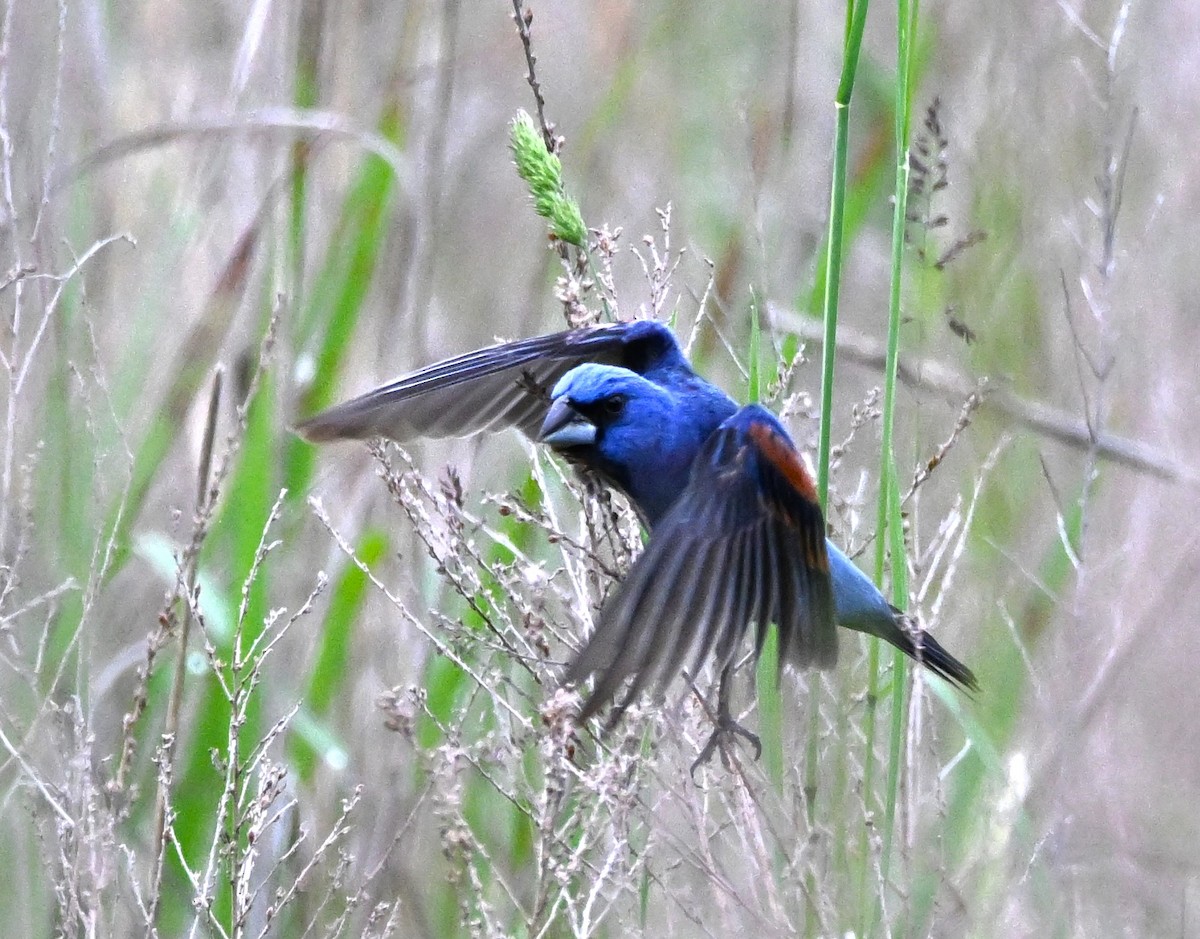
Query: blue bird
{"points": [[736, 532]]}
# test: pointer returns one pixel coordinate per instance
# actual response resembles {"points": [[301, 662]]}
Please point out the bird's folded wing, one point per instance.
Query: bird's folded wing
{"points": [[744, 544], [505, 385]]}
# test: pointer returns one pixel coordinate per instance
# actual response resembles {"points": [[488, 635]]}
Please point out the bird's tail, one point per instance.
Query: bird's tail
{"points": [[919, 645]]}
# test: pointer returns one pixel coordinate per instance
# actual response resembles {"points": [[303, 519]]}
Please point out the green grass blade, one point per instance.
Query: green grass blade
{"points": [[888, 531], [856, 14], [329, 321], [329, 674]]}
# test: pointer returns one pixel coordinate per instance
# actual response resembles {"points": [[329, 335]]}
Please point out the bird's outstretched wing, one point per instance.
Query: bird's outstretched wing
{"points": [[744, 544], [504, 385]]}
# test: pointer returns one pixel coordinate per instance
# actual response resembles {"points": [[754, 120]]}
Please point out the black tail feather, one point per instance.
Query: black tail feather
{"points": [[920, 645], [941, 662]]}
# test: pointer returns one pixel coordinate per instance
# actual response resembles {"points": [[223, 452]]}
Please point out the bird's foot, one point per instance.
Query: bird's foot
{"points": [[726, 728]]}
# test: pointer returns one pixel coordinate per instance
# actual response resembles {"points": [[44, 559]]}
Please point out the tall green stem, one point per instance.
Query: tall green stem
{"points": [[856, 17], [888, 511]]}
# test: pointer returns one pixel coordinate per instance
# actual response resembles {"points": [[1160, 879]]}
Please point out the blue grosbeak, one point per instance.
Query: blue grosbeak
{"points": [[736, 532]]}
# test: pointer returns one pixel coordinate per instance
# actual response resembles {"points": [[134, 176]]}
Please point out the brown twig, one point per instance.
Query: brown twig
{"points": [[924, 471], [523, 17]]}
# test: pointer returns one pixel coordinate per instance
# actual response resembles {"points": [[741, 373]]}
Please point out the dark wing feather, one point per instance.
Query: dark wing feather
{"points": [[505, 385], [744, 544]]}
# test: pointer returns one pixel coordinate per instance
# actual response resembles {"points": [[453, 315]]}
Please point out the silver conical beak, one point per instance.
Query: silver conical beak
{"points": [[565, 427]]}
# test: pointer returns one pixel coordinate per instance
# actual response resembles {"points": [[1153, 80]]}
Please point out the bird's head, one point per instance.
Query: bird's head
{"points": [[603, 410], [624, 427]]}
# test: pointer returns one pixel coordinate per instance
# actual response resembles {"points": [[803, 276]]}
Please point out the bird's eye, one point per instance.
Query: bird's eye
{"points": [[614, 405]]}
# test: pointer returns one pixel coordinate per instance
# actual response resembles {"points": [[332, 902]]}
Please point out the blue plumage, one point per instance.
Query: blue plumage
{"points": [[737, 536]]}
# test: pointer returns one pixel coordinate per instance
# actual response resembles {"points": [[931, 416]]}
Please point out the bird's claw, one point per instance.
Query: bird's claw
{"points": [[726, 727]]}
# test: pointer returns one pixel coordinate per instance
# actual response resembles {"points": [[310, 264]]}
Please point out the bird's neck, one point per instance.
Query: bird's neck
{"points": [[657, 487]]}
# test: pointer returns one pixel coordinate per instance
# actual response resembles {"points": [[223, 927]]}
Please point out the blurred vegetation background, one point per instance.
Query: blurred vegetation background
{"points": [[219, 217]]}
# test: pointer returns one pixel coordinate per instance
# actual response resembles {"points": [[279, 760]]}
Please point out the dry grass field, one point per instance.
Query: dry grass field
{"points": [[249, 687]]}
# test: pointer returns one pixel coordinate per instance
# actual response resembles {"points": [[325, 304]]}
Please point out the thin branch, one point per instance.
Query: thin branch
{"points": [[524, 19], [1044, 419]]}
